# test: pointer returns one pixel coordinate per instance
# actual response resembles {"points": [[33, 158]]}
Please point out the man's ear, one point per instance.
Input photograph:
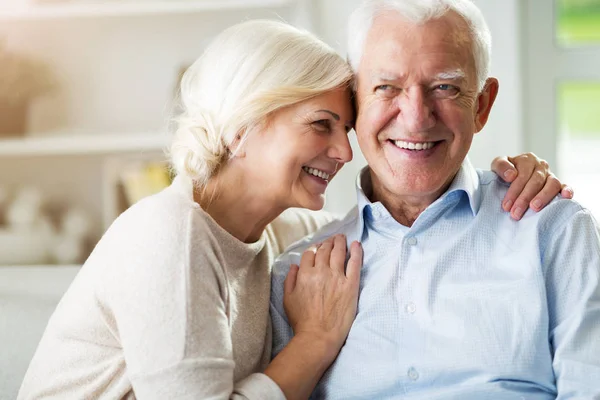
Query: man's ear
{"points": [[485, 101]]}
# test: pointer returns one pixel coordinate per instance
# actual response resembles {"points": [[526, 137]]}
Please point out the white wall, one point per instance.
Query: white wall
{"points": [[503, 134]]}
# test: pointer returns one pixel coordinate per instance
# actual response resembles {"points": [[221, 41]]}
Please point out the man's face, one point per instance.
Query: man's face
{"points": [[418, 105]]}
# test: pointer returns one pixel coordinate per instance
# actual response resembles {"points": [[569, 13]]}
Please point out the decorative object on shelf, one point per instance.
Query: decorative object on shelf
{"points": [[143, 178], [32, 235], [22, 79], [26, 237], [25, 210]]}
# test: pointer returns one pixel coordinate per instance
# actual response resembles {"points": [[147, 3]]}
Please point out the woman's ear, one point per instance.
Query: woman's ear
{"points": [[237, 148]]}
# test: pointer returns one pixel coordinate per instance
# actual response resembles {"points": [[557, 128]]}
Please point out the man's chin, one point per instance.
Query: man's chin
{"points": [[417, 187]]}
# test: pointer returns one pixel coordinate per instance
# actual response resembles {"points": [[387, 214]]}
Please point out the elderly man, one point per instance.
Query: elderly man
{"points": [[457, 299]]}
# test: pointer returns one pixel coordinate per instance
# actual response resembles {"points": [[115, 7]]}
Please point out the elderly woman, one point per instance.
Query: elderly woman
{"points": [[173, 302]]}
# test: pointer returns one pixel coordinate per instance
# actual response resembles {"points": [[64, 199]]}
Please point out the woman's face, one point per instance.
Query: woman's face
{"points": [[293, 158]]}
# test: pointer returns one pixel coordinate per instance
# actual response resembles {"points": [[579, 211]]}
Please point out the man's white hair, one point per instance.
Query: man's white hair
{"points": [[420, 11]]}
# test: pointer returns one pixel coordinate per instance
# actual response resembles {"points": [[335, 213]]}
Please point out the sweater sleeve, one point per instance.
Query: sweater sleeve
{"points": [[169, 306], [294, 224]]}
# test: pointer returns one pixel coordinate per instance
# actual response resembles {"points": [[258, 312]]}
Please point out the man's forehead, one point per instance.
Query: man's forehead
{"points": [[390, 54], [394, 33]]}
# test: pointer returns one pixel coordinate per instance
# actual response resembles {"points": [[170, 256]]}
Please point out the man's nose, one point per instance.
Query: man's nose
{"points": [[415, 110], [339, 148]]}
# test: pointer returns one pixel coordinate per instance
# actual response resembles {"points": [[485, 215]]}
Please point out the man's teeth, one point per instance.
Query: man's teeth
{"points": [[414, 146], [316, 172]]}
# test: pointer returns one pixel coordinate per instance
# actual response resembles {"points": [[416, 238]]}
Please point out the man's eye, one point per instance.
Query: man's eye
{"points": [[387, 91], [384, 88], [445, 90]]}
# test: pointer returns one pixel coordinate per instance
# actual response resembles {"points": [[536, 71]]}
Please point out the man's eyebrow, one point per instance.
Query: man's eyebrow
{"points": [[384, 76], [334, 115], [455, 75]]}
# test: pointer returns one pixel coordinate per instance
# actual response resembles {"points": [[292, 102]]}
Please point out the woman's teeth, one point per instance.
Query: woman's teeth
{"points": [[414, 146], [316, 172]]}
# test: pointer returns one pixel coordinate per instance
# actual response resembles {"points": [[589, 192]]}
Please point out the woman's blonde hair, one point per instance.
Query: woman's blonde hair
{"points": [[249, 71]]}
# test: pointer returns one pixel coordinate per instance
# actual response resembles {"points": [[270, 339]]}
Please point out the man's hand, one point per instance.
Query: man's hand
{"points": [[533, 185]]}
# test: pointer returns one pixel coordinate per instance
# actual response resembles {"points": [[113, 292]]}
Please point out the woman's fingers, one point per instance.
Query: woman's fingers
{"points": [[534, 187], [551, 188], [308, 258], [355, 262], [322, 258], [525, 164], [290, 280], [567, 191], [504, 168], [320, 301], [535, 184], [338, 254]]}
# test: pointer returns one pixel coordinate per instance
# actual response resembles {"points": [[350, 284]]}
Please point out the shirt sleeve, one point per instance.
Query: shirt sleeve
{"points": [[572, 259], [169, 307], [282, 331]]}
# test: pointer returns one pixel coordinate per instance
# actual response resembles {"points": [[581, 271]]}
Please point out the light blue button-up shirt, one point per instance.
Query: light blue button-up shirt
{"points": [[466, 303]]}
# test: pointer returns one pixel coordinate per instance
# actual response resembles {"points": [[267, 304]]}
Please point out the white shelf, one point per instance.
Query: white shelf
{"points": [[112, 8], [82, 145]]}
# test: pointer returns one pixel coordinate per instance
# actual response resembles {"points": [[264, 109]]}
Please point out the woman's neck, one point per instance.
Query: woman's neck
{"points": [[236, 206]]}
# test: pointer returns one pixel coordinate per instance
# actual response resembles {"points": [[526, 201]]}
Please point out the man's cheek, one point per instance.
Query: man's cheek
{"points": [[380, 114]]}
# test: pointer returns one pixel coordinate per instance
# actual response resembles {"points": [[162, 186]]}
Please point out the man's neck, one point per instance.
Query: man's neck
{"points": [[404, 211], [404, 208]]}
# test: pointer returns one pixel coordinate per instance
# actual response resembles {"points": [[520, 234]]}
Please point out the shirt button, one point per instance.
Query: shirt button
{"points": [[412, 241], [411, 308], [413, 375]]}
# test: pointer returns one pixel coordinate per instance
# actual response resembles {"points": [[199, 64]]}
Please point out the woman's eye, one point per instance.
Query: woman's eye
{"points": [[322, 125]]}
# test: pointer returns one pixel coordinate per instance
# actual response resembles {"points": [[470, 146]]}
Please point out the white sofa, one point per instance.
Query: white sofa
{"points": [[28, 296]]}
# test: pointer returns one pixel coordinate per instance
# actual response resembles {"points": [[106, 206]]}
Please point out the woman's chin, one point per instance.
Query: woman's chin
{"points": [[314, 203]]}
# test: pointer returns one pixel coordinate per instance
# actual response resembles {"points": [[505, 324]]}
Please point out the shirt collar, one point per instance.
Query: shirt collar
{"points": [[465, 181], [363, 190]]}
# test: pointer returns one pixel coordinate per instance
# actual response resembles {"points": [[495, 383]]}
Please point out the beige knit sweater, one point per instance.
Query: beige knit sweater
{"points": [[168, 306]]}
